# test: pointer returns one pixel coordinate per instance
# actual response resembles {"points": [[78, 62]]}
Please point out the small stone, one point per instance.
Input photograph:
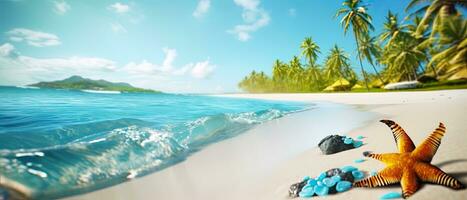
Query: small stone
{"points": [[306, 178], [347, 176], [360, 137], [348, 168], [391, 195], [357, 174], [336, 178], [328, 182], [312, 182], [333, 172], [307, 192], [343, 186], [357, 144], [296, 188], [348, 141], [333, 144], [319, 183], [359, 160], [321, 190], [322, 176], [373, 173]]}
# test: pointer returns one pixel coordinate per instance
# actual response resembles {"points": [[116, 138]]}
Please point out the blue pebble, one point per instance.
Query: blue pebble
{"points": [[307, 186], [312, 182], [357, 174], [391, 195], [329, 182], [357, 144], [359, 137], [321, 190], [321, 176], [348, 169], [306, 178], [359, 160], [343, 186], [348, 141], [319, 183], [373, 173], [336, 178], [307, 192]]}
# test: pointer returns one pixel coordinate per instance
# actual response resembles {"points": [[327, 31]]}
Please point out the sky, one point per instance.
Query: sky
{"points": [[180, 46]]}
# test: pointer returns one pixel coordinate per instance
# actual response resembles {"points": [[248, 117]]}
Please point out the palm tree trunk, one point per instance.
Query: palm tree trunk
{"points": [[432, 68], [377, 73], [360, 59], [414, 73]]}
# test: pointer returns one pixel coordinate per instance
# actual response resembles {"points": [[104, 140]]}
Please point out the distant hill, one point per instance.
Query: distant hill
{"points": [[80, 83]]}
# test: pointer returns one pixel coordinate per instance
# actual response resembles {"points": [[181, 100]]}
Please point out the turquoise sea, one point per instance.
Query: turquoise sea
{"points": [[55, 143]]}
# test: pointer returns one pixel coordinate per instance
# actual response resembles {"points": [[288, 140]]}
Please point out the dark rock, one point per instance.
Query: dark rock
{"points": [[332, 190], [333, 144], [333, 172], [296, 188], [347, 176]]}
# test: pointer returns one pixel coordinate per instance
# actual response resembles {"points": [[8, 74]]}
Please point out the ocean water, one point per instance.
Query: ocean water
{"points": [[55, 143]]}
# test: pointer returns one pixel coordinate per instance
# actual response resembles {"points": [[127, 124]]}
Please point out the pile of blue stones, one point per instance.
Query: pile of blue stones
{"points": [[330, 182], [355, 143]]}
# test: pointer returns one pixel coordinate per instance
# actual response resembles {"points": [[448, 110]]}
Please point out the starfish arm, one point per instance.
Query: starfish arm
{"points": [[387, 158], [432, 174], [409, 183], [428, 148], [403, 141], [387, 176]]}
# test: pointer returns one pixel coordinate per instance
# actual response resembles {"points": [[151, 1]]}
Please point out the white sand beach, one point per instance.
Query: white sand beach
{"points": [[263, 162]]}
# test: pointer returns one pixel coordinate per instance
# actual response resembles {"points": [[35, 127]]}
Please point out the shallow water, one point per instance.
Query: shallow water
{"points": [[55, 143]]}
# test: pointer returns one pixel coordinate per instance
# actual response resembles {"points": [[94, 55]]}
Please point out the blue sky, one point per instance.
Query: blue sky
{"points": [[194, 46]]}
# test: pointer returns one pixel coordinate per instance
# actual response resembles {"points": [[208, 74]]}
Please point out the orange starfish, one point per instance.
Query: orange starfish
{"points": [[411, 164]]}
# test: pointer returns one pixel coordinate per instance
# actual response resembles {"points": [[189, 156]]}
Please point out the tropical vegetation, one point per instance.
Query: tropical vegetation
{"points": [[80, 83], [429, 45]]}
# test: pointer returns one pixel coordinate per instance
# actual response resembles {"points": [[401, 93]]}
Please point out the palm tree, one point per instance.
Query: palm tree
{"points": [[452, 43], [279, 73], [403, 58], [424, 41], [355, 15], [310, 51], [295, 72], [337, 64], [435, 12], [370, 51], [392, 29]]}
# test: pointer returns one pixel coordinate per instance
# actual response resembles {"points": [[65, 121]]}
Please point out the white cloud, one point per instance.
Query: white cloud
{"points": [[170, 55], [61, 7], [202, 69], [254, 18], [202, 8], [198, 70], [33, 38], [119, 8], [118, 28], [17, 69], [248, 4], [8, 50]]}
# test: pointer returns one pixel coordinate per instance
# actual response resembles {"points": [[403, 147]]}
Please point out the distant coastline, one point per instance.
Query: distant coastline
{"points": [[89, 85]]}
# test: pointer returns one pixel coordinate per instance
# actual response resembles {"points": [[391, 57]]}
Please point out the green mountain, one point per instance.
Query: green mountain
{"points": [[80, 83]]}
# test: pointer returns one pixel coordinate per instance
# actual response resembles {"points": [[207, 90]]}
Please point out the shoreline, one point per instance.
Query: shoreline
{"points": [[254, 165]]}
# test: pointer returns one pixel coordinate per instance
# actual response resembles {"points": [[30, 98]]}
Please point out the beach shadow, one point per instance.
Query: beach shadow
{"points": [[459, 175], [450, 162]]}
